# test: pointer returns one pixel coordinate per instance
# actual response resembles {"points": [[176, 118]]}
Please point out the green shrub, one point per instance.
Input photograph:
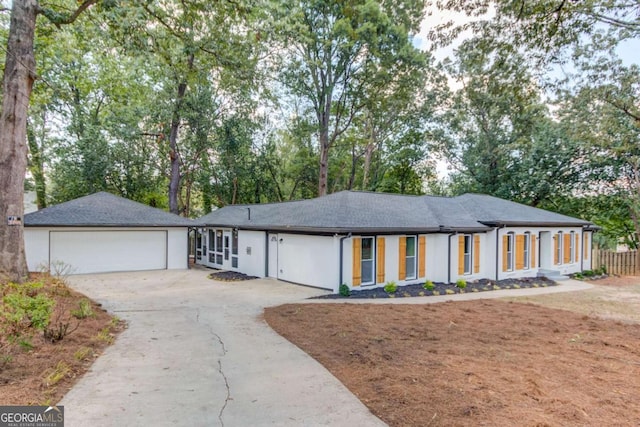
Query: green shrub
{"points": [[344, 290], [587, 273], [428, 285], [391, 287], [84, 310], [21, 311], [460, 283]]}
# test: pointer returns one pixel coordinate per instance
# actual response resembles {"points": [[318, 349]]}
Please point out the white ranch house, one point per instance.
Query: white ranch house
{"points": [[368, 239], [105, 233]]}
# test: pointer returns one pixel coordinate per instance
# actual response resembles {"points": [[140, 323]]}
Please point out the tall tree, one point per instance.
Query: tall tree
{"points": [[334, 48], [19, 75]]}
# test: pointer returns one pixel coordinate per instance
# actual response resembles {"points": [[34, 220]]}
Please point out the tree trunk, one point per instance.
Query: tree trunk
{"points": [[19, 74], [174, 175], [36, 166]]}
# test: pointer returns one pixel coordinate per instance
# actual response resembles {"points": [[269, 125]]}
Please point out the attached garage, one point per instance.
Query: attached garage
{"points": [[105, 233]]}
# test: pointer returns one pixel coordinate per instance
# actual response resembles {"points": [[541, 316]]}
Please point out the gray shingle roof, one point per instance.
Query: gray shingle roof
{"points": [[350, 211], [104, 210]]}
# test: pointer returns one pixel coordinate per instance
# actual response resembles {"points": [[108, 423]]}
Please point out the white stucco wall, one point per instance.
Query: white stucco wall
{"points": [[36, 245], [177, 248], [251, 251], [309, 260], [544, 256], [121, 255]]}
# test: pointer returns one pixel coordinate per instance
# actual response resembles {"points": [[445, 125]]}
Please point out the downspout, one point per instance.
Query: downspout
{"points": [[341, 263], [582, 250], [498, 251], [266, 251], [449, 256]]}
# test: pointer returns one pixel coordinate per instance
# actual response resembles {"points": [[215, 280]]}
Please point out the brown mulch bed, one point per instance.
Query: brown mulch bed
{"points": [[230, 276], [474, 363], [37, 371]]}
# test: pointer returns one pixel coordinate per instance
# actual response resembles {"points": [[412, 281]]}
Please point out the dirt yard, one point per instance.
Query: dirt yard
{"points": [[487, 362], [33, 369]]}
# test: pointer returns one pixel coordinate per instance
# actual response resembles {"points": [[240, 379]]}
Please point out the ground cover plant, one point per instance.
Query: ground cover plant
{"points": [[485, 362], [49, 336], [428, 288]]}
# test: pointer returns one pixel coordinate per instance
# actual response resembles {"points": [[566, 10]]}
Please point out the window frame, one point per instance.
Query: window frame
{"points": [[526, 254], [411, 275], [560, 246], [467, 256], [372, 260], [510, 251], [572, 247]]}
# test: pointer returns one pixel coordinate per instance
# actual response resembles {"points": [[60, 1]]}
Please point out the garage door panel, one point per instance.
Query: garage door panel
{"points": [[105, 251]]}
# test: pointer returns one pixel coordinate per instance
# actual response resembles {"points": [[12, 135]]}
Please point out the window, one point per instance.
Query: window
{"points": [[219, 247], [526, 251], [212, 241], [468, 253], [234, 249], [572, 247], [510, 238], [366, 262], [559, 248], [410, 258]]}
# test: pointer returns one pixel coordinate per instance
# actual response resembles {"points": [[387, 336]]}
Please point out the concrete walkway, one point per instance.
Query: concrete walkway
{"points": [[197, 353]]}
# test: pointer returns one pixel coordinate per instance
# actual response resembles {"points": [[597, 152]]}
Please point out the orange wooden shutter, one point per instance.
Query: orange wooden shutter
{"points": [[422, 253], [576, 251], [357, 261], [533, 251], [566, 254], [556, 243], [520, 252], [505, 243], [381, 261], [402, 258], [585, 246], [461, 254], [476, 253]]}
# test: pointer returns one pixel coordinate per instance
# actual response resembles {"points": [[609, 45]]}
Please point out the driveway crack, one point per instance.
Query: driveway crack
{"points": [[220, 369]]}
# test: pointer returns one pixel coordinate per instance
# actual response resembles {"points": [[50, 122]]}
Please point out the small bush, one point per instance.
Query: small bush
{"points": [[587, 273], [84, 310], [428, 285], [391, 287], [20, 312], [460, 283], [83, 353], [344, 290], [449, 292]]}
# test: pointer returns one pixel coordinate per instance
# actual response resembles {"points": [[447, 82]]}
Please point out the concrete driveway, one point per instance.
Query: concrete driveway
{"points": [[198, 353]]}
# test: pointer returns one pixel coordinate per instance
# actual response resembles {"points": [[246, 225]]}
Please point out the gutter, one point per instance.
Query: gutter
{"points": [[341, 261]]}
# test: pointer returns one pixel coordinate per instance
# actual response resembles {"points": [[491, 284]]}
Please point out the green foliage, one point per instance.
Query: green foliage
{"points": [[428, 285], [344, 290], [84, 310], [391, 287], [20, 312], [461, 283]]}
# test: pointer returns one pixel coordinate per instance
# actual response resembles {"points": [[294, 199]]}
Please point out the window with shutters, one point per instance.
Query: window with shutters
{"points": [[410, 258], [526, 252], [468, 253], [510, 251], [367, 260]]}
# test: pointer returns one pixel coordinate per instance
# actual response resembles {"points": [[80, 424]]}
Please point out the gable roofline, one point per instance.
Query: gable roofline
{"points": [[104, 209]]}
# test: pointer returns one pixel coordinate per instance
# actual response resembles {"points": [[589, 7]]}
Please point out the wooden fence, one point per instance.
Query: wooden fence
{"points": [[621, 263]]}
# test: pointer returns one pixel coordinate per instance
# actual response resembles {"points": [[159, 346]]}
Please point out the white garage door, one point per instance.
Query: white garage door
{"points": [[104, 251]]}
